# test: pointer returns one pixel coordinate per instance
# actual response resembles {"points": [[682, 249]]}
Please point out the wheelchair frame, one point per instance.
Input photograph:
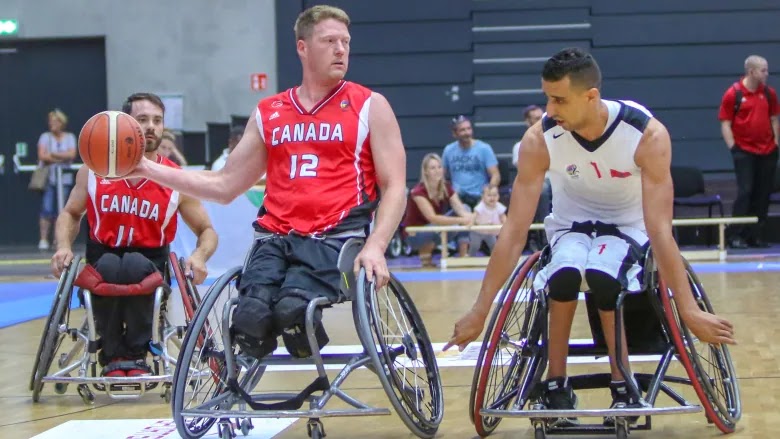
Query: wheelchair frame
{"points": [[233, 389], [520, 387], [82, 356]]}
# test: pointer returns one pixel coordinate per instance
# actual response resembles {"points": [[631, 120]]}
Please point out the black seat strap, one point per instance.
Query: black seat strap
{"points": [[294, 403]]}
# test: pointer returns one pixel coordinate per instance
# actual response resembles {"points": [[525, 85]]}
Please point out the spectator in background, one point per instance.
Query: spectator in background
{"points": [[536, 240], [749, 124], [489, 211], [469, 163], [169, 149], [56, 148], [434, 201], [235, 136]]}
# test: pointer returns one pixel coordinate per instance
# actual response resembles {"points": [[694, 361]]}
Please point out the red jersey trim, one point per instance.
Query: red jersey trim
{"points": [[294, 99]]}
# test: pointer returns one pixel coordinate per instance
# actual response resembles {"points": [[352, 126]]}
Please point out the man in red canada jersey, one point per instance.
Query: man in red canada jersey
{"points": [[131, 224], [330, 147]]}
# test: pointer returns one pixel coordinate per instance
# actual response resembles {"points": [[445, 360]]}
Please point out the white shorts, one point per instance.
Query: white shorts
{"points": [[619, 254]]}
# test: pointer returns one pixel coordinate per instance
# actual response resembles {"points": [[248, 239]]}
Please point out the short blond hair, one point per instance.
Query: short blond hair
{"points": [[304, 25], [59, 115]]}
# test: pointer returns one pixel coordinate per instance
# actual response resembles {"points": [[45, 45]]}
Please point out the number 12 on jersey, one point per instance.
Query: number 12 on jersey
{"points": [[308, 165]]}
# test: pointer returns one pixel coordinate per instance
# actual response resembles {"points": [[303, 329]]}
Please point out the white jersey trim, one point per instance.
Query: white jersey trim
{"points": [[259, 120], [173, 205], [92, 191]]}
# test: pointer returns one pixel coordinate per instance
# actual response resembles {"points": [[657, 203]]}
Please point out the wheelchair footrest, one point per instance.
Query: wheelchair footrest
{"points": [[284, 413], [109, 380], [649, 411]]}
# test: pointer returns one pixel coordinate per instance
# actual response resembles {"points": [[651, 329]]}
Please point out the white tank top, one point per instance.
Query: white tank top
{"points": [[597, 180]]}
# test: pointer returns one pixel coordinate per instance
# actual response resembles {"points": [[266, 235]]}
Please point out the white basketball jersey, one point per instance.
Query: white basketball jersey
{"points": [[597, 180]]}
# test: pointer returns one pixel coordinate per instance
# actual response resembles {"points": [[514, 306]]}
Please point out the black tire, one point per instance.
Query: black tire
{"points": [[521, 317], [398, 350], [396, 246], [204, 336], [709, 366], [51, 337]]}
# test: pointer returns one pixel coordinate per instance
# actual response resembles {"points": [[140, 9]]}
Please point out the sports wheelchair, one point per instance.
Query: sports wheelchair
{"points": [[78, 364], [396, 347], [513, 358]]}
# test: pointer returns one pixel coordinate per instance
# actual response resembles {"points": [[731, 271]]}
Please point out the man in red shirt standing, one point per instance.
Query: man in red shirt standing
{"points": [[329, 147], [749, 124]]}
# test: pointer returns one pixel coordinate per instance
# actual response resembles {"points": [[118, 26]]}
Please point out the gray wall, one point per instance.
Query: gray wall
{"points": [[203, 49]]}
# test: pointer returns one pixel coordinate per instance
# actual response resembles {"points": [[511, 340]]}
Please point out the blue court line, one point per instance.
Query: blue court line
{"points": [[23, 301]]}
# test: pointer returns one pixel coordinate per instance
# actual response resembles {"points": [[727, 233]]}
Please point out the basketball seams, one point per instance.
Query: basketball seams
{"points": [[118, 143], [112, 127]]}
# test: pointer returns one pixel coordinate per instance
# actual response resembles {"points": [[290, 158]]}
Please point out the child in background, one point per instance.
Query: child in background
{"points": [[488, 211]]}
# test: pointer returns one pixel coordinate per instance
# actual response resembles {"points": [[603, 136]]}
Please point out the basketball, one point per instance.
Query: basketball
{"points": [[111, 144]]}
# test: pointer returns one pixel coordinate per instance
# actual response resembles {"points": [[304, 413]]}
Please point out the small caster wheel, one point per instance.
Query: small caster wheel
{"points": [[539, 432], [86, 395], [63, 358], [60, 388], [315, 429], [621, 430], [225, 429], [246, 426], [166, 395]]}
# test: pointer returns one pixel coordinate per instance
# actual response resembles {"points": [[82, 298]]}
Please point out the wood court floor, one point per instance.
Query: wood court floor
{"points": [[750, 300]]}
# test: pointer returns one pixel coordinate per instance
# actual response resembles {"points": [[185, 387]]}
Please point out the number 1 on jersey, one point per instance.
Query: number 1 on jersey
{"points": [[308, 167], [596, 167], [121, 234]]}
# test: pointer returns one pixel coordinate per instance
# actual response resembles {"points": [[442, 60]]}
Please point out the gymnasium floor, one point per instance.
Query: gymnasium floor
{"points": [[744, 290]]}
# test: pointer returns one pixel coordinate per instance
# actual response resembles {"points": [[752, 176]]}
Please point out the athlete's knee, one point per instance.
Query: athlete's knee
{"points": [[564, 284], [604, 287], [252, 314], [109, 266], [289, 314]]}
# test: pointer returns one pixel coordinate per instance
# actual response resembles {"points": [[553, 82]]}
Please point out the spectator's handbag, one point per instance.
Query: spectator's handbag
{"points": [[39, 178]]}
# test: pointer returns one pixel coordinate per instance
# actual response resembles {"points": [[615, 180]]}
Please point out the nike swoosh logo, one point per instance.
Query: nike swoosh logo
{"points": [[556, 136]]}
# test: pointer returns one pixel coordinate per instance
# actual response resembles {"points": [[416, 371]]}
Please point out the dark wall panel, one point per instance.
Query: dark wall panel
{"points": [[657, 93], [509, 5], [428, 100], [704, 154], [607, 7], [422, 36], [686, 28], [425, 131], [362, 11], [412, 69], [531, 17]]}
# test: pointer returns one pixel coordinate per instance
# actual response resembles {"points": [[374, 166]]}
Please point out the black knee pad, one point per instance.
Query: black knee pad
{"points": [[252, 315], [564, 284], [290, 320], [135, 268], [109, 266], [604, 288]]}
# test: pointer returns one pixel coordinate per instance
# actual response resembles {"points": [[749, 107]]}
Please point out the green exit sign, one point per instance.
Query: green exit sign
{"points": [[8, 27]]}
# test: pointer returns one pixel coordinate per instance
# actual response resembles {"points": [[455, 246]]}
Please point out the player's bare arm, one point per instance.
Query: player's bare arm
{"points": [[67, 226], [533, 161], [244, 167], [389, 157], [653, 156], [196, 218]]}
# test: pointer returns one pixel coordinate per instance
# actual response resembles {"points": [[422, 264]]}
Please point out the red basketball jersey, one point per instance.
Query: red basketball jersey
{"points": [[320, 177], [121, 214]]}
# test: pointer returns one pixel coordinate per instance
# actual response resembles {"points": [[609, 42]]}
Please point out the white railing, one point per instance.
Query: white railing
{"points": [[710, 254]]}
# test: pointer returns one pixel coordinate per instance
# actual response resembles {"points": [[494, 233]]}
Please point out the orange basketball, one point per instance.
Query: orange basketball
{"points": [[111, 144]]}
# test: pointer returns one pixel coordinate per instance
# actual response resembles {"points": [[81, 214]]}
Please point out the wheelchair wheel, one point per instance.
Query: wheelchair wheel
{"points": [[200, 376], [51, 337], [512, 357], [394, 335], [189, 294], [709, 366]]}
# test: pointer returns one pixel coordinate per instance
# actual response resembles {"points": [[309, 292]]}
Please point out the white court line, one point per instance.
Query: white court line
{"points": [[451, 358], [265, 428]]}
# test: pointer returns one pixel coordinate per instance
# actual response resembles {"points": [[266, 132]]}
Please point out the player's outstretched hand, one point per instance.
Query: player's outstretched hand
{"points": [[195, 268], [467, 329], [60, 260], [709, 328], [372, 258]]}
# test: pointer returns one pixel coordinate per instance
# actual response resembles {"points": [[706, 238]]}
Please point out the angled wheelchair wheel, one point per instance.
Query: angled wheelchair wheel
{"points": [[512, 357], [52, 337], [189, 294], [394, 336], [200, 378], [708, 366]]}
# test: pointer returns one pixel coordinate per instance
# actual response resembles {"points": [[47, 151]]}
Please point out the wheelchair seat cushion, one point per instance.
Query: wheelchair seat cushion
{"points": [[90, 279]]}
